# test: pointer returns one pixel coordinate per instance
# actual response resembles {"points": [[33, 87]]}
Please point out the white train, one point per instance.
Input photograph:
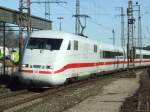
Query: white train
{"points": [[51, 58]]}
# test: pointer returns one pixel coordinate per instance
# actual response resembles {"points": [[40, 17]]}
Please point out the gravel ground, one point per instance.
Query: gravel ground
{"points": [[65, 101], [89, 97], [141, 96], [4, 90], [3, 87], [62, 101], [111, 99], [9, 84]]}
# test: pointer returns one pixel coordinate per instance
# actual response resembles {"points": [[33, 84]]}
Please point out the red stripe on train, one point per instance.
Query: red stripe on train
{"points": [[81, 65], [26, 71]]}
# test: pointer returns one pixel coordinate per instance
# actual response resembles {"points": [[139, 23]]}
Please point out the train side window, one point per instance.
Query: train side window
{"points": [[101, 54], [69, 46], [75, 45], [107, 54], [95, 48], [119, 54], [137, 56], [111, 54], [146, 56]]}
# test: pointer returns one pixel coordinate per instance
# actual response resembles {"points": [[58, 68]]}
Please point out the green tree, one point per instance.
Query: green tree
{"points": [[11, 39]]}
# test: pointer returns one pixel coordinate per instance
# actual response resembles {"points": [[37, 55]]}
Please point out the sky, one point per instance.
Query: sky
{"points": [[104, 17]]}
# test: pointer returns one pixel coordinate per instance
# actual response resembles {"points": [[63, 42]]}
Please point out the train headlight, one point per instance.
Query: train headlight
{"points": [[25, 65], [49, 67]]}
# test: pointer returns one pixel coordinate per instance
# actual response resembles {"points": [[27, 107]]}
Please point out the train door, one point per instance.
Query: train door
{"points": [[141, 58], [100, 69], [124, 58], [116, 60]]}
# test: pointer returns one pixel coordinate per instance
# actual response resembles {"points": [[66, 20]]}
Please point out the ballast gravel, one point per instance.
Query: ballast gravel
{"points": [[111, 99], [62, 101], [105, 95]]}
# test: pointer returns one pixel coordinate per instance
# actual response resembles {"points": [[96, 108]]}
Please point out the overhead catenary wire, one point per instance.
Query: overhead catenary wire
{"points": [[101, 25], [93, 14], [96, 23], [47, 6], [97, 9]]}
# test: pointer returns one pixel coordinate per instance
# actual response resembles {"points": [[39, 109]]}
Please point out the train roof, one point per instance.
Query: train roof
{"points": [[49, 34], [142, 51], [60, 35], [70, 36]]}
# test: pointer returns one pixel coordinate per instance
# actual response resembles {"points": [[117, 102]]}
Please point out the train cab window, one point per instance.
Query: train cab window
{"points": [[75, 45], [44, 43], [69, 46], [95, 48]]}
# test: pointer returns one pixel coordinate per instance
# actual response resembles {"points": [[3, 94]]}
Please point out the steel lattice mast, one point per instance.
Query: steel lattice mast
{"points": [[24, 22], [24, 17], [47, 10], [130, 42]]}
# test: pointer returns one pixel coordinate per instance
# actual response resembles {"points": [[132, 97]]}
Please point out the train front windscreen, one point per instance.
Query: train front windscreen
{"points": [[44, 43]]}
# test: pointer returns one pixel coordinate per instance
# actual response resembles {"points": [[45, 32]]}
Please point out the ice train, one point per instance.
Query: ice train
{"points": [[52, 58]]}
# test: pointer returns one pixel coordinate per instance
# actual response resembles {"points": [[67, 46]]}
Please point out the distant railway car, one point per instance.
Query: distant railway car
{"points": [[52, 58]]}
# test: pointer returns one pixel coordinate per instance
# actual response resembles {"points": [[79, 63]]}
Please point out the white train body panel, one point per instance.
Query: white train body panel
{"points": [[68, 56]]}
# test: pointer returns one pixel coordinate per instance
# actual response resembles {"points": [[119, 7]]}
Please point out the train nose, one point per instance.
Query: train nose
{"points": [[41, 78], [34, 78]]}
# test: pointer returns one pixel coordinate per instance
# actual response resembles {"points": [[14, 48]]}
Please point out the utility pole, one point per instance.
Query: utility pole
{"points": [[4, 55], [139, 26], [130, 42], [24, 23], [47, 7], [60, 20], [113, 31], [139, 44], [122, 15]]}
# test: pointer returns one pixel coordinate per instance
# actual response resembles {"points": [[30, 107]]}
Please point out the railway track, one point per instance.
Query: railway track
{"points": [[5, 95], [13, 102], [19, 100]]}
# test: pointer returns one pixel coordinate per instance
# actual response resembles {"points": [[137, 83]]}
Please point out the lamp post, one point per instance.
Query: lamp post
{"points": [[113, 31], [60, 20]]}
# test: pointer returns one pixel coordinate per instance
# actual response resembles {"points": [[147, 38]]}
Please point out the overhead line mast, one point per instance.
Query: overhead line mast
{"points": [[139, 26], [47, 7], [77, 27], [47, 10], [24, 22], [122, 15], [130, 43], [78, 23]]}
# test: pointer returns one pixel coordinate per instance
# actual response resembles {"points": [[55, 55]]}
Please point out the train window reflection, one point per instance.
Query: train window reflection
{"points": [[44, 43]]}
